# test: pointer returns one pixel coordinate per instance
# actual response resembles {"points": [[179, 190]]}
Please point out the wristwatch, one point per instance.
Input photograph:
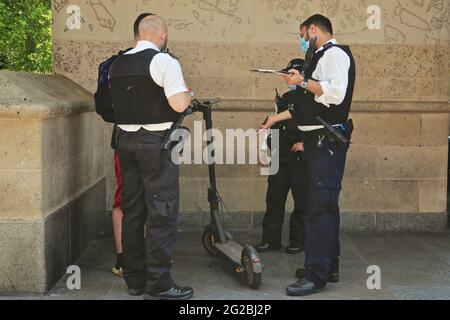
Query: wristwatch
{"points": [[304, 84]]}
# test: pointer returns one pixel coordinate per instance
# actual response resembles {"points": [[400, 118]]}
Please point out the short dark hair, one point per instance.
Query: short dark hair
{"points": [[321, 21], [141, 17]]}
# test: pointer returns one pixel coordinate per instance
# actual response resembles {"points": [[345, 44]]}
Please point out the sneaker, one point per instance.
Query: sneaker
{"points": [[118, 271]]}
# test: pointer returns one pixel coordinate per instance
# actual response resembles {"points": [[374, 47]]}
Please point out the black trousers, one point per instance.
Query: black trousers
{"points": [[291, 176], [325, 169], [151, 198]]}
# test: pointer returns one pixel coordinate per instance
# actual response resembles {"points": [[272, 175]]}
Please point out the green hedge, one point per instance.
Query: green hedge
{"points": [[26, 35]]}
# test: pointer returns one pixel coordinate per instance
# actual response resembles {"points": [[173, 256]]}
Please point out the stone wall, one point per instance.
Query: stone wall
{"points": [[397, 168], [52, 180]]}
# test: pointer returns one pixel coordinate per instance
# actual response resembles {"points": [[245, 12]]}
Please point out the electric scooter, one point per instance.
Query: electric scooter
{"points": [[216, 240]]}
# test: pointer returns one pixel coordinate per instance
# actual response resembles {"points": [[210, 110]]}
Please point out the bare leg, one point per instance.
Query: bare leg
{"points": [[117, 216]]}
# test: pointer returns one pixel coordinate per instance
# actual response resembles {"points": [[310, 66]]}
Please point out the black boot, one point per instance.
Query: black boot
{"points": [[265, 247], [176, 293], [304, 287], [294, 249]]}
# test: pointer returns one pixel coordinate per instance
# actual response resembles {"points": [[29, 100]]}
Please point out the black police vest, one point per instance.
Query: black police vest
{"points": [[336, 114], [289, 132], [136, 98]]}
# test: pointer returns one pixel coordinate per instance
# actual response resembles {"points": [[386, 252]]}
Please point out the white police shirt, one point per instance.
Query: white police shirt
{"points": [[332, 73], [166, 72]]}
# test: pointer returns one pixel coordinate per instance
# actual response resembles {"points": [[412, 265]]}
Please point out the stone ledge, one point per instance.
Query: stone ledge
{"points": [[45, 109], [35, 96], [358, 106], [423, 222], [31, 96]]}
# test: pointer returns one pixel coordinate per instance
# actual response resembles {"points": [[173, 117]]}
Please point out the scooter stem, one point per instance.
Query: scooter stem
{"points": [[212, 191]]}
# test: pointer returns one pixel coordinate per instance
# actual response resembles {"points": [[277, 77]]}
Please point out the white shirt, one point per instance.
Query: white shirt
{"points": [[166, 72], [332, 74]]}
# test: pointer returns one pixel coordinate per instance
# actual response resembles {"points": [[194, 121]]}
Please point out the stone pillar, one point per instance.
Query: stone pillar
{"points": [[52, 182]]}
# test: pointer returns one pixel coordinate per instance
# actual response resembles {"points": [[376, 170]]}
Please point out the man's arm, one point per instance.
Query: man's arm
{"points": [[180, 101], [166, 71], [274, 119], [315, 87], [334, 65], [295, 78]]}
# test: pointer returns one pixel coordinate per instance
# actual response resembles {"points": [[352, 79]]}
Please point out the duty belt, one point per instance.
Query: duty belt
{"points": [[322, 133]]}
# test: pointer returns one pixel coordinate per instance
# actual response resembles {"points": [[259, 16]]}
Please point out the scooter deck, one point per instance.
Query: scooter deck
{"points": [[231, 249]]}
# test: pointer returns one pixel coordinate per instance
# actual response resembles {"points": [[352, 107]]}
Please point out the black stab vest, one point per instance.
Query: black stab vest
{"points": [[136, 98], [309, 109]]}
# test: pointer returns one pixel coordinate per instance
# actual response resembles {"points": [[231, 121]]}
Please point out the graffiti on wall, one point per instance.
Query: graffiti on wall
{"points": [[202, 13], [401, 19]]}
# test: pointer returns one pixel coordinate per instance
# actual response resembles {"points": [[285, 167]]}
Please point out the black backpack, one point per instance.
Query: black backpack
{"points": [[103, 102]]}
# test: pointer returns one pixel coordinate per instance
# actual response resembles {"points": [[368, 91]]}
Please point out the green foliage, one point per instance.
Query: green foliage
{"points": [[26, 35]]}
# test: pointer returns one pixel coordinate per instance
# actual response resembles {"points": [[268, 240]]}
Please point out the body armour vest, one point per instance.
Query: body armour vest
{"points": [[288, 130], [136, 98], [309, 108]]}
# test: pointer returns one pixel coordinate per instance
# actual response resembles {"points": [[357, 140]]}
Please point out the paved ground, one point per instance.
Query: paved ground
{"points": [[414, 266]]}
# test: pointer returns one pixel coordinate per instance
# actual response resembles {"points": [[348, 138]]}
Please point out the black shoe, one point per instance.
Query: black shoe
{"points": [[176, 293], [135, 292], [332, 278], [265, 247], [304, 287], [294, 250]]}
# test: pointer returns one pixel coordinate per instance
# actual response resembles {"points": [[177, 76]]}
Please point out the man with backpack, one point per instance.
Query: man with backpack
{"points": [[148, 94], [104, 108]]}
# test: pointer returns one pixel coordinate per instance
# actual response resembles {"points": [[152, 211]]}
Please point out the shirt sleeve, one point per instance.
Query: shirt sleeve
{"points": [[166, 72], [332, 71]]}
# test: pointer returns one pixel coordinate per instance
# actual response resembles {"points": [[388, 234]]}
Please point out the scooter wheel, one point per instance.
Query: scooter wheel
{"points": [[253, 278], [208, 241]]}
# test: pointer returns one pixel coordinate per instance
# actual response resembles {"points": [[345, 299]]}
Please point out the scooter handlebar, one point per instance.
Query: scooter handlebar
{"points": [[195, 106], [213, 101], [198, 105], [208, 103]]}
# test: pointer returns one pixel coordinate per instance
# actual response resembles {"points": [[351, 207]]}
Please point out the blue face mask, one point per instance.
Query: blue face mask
{"points": [[304, 45], [292, 87]]}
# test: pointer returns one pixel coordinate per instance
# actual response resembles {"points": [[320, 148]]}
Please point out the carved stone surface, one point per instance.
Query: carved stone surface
{"points": [[397, 162]]}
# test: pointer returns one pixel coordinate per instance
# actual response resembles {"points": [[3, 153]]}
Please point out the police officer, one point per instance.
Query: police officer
{"points": [[328, 91], [148, 93], [117, 213], [289, 177]]}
